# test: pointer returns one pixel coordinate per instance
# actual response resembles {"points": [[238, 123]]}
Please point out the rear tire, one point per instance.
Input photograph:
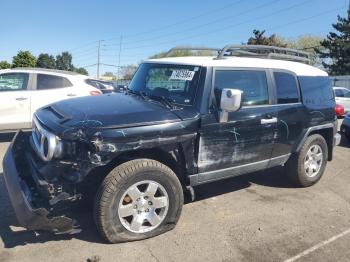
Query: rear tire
{"points": [[139, 199], [306, 167]]}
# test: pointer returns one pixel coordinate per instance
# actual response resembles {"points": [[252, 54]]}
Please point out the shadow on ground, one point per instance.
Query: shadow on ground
{"points": [[12, 238], [344, 142]]}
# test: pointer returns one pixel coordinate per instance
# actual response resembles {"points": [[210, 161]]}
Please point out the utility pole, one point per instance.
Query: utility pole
{"points": [[120, 51], [98, 60]]}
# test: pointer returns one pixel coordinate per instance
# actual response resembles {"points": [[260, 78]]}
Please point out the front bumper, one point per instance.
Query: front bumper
{"points": [[31, 214]]}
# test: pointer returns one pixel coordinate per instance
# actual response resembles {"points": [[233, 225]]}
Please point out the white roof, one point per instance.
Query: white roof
{"points": [[243, 62], [38, 70]]}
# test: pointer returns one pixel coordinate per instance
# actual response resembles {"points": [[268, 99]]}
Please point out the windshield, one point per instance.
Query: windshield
{"points": [[175, 83]]}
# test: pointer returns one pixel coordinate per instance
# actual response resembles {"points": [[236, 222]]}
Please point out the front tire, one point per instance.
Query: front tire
{"points": [[306, 167], [139, 199]]}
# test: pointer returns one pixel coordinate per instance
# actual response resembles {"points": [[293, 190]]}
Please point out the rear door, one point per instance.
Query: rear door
{"points": [[291, 112], [50, 88], [244, 143], [15, 99]]}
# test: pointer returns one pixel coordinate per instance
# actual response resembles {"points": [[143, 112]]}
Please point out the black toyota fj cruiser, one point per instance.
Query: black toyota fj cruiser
{"points": [[181, 123]]}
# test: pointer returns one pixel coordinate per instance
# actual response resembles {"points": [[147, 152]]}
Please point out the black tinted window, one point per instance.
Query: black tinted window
{"points": [[13, 81], [51, 82], [339, 93], [286, 88], [316, 90], [252, 83]]}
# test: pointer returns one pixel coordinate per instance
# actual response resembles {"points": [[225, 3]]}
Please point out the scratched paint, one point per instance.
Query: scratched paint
{"points": [[235, 134], [286, 126]]}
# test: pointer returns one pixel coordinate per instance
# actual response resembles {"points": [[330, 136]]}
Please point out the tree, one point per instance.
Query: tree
{"points": [[260, 39], [81, 70], [64, 61], [308, 43], [337, 47], [128, 72], [46, 61], [24, 59], [177, 53], [4, 65], [108, 74]]}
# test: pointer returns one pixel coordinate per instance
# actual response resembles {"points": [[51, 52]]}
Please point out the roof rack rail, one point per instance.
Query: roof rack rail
{"points": [[196, 48], [263, 51]]}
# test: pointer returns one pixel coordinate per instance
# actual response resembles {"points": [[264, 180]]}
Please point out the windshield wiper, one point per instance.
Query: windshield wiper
{"points": [[164, 100], [138, 93]]}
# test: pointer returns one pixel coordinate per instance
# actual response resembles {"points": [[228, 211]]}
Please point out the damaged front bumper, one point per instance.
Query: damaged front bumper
{"points": [[32, 212]]}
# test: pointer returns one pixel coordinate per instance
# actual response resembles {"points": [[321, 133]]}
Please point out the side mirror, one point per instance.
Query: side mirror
{"points": [[231, 101]]}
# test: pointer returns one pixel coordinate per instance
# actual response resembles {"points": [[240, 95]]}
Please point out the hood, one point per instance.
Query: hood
{"points": [[105, 111]]}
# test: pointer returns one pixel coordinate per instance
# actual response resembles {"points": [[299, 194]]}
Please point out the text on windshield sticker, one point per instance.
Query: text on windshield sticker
{"points": [[182, 75]]}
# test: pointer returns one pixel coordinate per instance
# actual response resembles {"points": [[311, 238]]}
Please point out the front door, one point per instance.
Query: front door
{"points": [[14, 101], [245, 142]]}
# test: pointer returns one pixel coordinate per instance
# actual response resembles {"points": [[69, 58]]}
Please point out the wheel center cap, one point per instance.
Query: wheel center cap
{"points": [[142, 205]]}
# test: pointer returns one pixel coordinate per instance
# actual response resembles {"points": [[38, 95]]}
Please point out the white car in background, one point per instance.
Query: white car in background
{"points": [[342, 97], [24, 90]]}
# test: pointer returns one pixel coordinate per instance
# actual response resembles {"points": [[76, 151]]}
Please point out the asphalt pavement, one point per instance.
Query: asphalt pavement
{"points": [[257, 217]]}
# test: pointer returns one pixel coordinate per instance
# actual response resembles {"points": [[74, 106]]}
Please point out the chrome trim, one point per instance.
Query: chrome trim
{"points": [[209, 176], [268, 120], [39, 135]]}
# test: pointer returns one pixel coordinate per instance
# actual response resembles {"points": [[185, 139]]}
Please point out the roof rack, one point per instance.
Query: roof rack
{"points": [[263, 51], [196, 48], [259, 51]]}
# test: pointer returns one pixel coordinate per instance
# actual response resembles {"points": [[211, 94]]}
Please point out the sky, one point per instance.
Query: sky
{"points": [[148, 27]]}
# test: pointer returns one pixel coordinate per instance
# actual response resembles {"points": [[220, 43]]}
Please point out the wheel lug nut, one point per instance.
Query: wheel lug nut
{"points": [[146, 197], [150, 203]]}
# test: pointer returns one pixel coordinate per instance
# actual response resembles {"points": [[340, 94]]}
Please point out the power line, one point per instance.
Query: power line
{"points": [[234, 16], [180, 22], [223, 28]]}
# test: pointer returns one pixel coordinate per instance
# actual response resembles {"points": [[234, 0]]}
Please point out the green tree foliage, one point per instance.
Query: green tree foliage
{"points": [[178, 53], [337, 45], [260, 39], [24, 59], [81, 70], [308, 43], [4, 65], [128, 72], [46, 61], [64, 61]]}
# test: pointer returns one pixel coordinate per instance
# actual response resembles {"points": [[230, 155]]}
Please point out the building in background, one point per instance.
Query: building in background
{"points": [[342, 81]]}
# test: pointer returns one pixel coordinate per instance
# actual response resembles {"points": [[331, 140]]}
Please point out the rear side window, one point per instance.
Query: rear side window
{"points": [[252, 83], [339, 93], [316, 90], [13, 81], [286, 88], [51, 82]]}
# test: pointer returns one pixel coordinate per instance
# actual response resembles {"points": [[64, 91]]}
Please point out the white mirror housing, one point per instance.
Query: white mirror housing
{"points": [[231, 101]]}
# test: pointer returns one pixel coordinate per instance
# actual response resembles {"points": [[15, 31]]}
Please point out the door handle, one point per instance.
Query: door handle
{"points": [[71, 94], [272, 120], [21, 98]]}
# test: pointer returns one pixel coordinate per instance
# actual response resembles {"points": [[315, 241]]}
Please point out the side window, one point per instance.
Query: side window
{"points": [[51, 82], [252, 83], [346, 93], [286, 88], [338, 93], [13, 81]]}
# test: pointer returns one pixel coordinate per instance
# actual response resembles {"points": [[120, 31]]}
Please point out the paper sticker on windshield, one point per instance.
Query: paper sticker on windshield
{"points": [[185, 75]]}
